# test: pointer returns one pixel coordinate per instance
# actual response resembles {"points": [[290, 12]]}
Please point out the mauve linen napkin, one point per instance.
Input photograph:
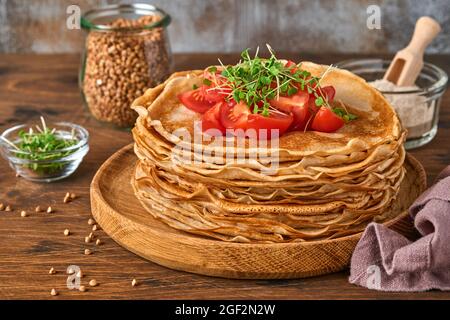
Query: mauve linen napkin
{"points": [[387, 261]]}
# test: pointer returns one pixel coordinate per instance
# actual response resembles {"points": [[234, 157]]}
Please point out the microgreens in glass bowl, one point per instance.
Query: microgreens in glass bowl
{"points": [[44, 153]]}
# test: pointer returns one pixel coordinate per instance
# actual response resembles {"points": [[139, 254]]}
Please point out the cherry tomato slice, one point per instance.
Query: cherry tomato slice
{"points": [[239, 116], [275, 121], [215, 94], [287, 104], [290, 64], [329, 92], [195, 100], [326, 121], [296, 104], [234, 116], [211, 120], [214, 76], [301, 116]]}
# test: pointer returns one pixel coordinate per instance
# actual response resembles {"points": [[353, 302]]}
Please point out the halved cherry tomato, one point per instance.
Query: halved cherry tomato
{"points": [[301, 117], [216, 78], [329, 92], [213, 76], [239, 116], [234, 116], [275, 121], [296, 104], [326, 121], [211, 119], [292, 64], [219, 87], [215, 94], [195, 100]]}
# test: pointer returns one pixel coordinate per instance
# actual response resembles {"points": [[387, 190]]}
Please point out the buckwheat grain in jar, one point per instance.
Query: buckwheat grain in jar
{"points": [[127, 51]]}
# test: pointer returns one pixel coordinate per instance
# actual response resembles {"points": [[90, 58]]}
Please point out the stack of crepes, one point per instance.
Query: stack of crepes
{"points": [[326, 185]]}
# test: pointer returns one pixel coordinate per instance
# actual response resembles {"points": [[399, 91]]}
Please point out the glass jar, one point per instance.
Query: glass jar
{"points": [[417, 109], [126, 51]]}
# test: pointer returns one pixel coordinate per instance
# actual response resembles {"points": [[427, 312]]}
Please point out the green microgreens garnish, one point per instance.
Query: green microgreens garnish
{"points": [[256, 80], [43, 145], [319, 101], [342, 113], [212, 69]]}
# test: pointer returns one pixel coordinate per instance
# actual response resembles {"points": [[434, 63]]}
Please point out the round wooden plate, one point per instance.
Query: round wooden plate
{"points": [[121, 216]]}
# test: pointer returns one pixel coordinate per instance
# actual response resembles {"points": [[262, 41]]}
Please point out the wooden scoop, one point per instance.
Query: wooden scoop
{"points": [[408, 62]]}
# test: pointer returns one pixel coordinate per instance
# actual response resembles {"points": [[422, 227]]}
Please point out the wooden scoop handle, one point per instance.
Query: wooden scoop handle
{"points": [[425, 31]]}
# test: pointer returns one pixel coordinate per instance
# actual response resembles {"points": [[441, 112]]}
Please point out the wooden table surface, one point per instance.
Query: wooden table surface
{"points": [[31, 85]]}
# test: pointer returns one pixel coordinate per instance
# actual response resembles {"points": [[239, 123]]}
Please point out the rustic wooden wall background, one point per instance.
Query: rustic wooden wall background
{"points": [[230, 25]]}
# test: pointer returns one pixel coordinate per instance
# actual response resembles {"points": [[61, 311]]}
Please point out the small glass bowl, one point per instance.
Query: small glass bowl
{"points": [[54, 167], [420, 118]]}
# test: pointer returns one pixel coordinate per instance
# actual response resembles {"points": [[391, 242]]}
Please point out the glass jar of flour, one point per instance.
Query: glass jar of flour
{"points": [[417, 106]]}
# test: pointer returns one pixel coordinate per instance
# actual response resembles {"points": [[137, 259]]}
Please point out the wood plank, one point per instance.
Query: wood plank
{"points": [[31, 85]]}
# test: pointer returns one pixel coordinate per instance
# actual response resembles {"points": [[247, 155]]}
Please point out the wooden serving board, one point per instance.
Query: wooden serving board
{"points": [[121, 216]]}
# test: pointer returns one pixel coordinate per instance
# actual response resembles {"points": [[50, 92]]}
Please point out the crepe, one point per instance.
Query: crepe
{"points": [[323, 185]]}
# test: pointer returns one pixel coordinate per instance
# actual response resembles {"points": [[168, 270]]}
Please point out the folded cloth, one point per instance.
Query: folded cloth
{"points": [[387, 261]]}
